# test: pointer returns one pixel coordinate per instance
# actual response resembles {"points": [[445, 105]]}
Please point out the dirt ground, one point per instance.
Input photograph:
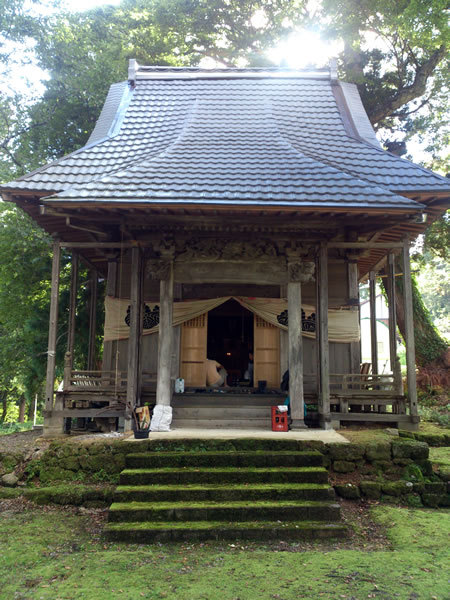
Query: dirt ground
{"points": [[22, 442]]}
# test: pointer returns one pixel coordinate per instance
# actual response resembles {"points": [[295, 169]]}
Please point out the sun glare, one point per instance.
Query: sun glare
{"points": [[304, 49]]}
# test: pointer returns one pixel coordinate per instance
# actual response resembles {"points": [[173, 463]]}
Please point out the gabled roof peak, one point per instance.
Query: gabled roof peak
{"points": [[137, 72]]}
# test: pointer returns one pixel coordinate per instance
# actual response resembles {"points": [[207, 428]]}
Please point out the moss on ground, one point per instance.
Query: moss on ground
{"points": [[440, 456], [59, 554]]}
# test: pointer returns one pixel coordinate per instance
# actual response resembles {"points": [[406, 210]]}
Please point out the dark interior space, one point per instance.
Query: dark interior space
{"points": [[230, 338]]}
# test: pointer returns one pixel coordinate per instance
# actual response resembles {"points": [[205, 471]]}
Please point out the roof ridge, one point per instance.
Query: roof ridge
{"points": [[138, 72]]}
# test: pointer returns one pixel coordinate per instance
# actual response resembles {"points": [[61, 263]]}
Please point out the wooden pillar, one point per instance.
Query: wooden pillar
{"points": [[409, 334], [163, 385], [72, 303], [322, 336], [353, 300], [92, 319], [373, 322], [295, 343], [134, 338], [111, 285], [53, 327], [393, 358]]}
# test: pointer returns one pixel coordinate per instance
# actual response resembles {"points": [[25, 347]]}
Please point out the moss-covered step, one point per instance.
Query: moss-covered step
{"points": [[223, 475], [195, 493], [258, 458], [217, 445], [145, 532], [224, 511]]}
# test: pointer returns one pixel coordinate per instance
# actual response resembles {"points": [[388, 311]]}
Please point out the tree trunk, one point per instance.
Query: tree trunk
{"points": [[22, 406], [4, 398], [430, 347]]}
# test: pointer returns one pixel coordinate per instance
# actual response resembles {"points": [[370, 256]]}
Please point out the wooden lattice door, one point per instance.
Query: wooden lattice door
{"points": [[266, 353], [193, 351]]}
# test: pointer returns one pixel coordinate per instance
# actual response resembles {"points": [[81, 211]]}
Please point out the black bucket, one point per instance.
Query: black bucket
{"points": [[141, 434]]}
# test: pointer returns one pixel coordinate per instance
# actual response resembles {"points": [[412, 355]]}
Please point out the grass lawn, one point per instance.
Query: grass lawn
{"points": [[50, 553]]}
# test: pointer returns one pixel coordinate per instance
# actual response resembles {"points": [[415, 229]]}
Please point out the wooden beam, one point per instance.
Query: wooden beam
{"points": [[409, 331], [362, 245], [295, 341], [373, 322], [163, 383], [93, 278], [134, 338], [53, 327], [322, 336]]}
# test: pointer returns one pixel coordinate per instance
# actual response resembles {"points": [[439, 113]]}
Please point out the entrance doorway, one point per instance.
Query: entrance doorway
{"points": [[230, 339]]}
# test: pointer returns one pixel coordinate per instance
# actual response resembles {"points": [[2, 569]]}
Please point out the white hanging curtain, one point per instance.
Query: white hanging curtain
{"points": [[343, 325]]}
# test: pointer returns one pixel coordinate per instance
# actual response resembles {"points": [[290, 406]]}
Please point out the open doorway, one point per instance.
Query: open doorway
{"points": [[230, 339]]}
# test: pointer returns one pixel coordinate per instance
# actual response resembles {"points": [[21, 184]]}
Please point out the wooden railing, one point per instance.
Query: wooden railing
{"points": [[361, 384]]}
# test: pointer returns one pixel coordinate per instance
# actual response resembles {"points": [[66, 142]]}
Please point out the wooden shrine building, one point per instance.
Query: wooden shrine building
{"points": [[232, 211]]}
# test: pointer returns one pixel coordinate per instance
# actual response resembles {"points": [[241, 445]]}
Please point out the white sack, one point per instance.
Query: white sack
{"points": [[161, 418]]}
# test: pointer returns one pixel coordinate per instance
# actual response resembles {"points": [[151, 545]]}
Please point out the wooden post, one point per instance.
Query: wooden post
{"points": [[295, 342], [73, 303], [409, 334], [111, 284], [134, 338], [390, 290], [163, 384], [92, 319], [373, 322], [322, 336], [353, 297], [53, 327]]}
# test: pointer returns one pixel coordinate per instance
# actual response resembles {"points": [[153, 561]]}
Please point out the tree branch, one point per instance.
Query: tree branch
{"points": [[410, 92]]}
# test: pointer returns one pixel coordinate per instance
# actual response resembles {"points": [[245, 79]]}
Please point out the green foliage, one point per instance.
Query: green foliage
{"points": [[396, 53], [12, 427]]}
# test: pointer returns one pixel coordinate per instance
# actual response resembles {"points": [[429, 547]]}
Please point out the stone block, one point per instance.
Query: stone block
{"points": [[349, 452], [343, 466], [432, 500], [397, 488], [403, 462], [370, 489], [71, 463], [348, 491], [435, 487], [10, 480], [382, 465], [387, 499], [378, 451], [410, 449]]}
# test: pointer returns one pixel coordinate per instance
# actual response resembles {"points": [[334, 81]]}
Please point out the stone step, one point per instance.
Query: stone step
{"points": [[222, 412], [150, 532], [256, 458], [218, 493], [286, 510], [183, 476], [227, 399], [263, 424]]}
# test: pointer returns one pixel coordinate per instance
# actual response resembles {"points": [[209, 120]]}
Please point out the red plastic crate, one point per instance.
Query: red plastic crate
{"points": [[279, 420]]}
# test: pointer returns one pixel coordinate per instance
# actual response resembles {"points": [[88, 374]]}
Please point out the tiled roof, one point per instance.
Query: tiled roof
{"points": [[256, 139]]}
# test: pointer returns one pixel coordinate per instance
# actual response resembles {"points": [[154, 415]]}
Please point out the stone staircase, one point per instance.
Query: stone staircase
{"points": [[261, 494]]}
